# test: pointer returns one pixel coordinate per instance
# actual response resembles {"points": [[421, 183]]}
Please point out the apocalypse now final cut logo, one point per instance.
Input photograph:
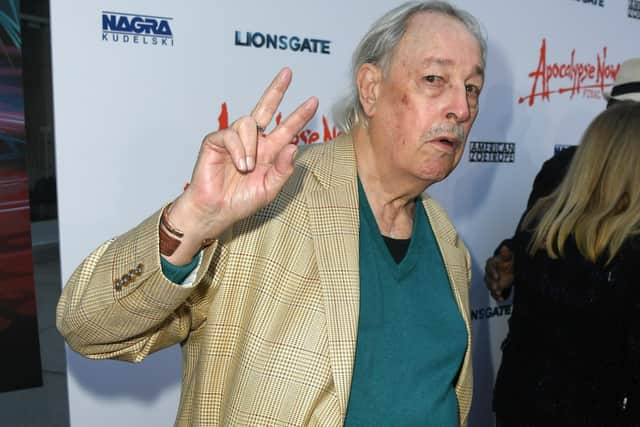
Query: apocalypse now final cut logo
{"points": [[588, 79], [305, 136], [129, 28]]}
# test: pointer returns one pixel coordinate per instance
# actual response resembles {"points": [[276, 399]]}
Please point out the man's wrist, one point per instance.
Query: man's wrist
{"points": [[174, 245], [170, 237]]}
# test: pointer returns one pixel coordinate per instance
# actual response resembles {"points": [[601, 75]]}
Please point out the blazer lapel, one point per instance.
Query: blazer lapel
{"points": [[453, 256], [456, 264], [334, 220]]}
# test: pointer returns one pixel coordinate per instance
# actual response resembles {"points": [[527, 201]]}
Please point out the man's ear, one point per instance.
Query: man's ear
{"points": [[368, 79]]}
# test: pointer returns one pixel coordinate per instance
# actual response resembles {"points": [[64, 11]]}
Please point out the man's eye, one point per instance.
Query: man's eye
{"points": [[432, 79], [473, 90]]}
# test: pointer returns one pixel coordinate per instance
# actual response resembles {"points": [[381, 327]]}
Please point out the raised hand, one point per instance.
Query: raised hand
{"points": [[498, 274], [239, 170]]}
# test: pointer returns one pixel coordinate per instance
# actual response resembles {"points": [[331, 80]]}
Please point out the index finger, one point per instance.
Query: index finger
{"points": [[266, 107], [283, 134]]}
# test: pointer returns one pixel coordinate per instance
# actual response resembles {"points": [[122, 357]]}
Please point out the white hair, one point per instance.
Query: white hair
{"points": [[377, 47]]}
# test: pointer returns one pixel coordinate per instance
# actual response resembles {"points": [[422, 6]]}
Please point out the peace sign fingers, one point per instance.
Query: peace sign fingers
{"points": [[270, 101]]}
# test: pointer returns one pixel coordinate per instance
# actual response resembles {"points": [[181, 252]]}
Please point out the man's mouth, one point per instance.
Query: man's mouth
{"points": [[447, 143]]}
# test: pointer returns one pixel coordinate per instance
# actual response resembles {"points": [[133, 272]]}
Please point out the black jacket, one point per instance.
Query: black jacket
{"points": [[572, 355]]}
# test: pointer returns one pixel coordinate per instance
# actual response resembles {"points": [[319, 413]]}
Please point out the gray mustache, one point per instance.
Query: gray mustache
{"points": [[448, 129]]}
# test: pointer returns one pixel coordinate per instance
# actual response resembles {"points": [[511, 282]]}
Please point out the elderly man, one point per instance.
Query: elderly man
{"points": [[322, 290]]}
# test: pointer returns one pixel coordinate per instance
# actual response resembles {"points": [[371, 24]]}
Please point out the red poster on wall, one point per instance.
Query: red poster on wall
{"points": [[19, 347]]}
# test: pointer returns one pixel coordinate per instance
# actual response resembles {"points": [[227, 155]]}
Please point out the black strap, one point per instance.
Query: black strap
{"points": [[625, 88]]}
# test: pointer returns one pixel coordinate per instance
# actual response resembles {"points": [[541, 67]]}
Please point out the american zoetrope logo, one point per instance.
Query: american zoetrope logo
{"points": [[128, 28], [634, 9], [492, 152]]}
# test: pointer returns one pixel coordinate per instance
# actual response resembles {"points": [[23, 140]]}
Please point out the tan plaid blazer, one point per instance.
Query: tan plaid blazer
{"points": [[268, 331]]}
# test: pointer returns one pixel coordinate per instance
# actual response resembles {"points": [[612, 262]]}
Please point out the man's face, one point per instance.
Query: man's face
{"points": [[426, 104]]}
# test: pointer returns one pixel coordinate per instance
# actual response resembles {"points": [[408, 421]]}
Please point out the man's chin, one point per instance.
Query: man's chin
{"points": [[438, 172]]}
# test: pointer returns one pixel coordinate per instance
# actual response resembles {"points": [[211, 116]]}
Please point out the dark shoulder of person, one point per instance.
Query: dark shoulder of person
{"points": [[551, 174], [548, 178]]}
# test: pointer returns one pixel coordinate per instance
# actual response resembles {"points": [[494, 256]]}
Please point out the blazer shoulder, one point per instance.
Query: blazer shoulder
{"points": [[435, 210], [329, 163], [307, 159]]}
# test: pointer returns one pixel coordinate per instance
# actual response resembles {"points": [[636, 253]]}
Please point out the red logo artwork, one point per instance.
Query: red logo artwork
{"points": [[587, 79], [306, 136]]}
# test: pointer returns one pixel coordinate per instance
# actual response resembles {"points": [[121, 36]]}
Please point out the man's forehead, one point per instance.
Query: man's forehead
{"points": [[433, 22], [441, 39], [428, 31]]}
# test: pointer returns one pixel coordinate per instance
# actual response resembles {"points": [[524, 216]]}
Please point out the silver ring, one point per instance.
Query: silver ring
{"points": [[260, 129]]}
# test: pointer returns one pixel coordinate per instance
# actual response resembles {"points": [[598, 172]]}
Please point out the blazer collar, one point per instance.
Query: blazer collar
{"points": [[456, 263], [334, 219]]}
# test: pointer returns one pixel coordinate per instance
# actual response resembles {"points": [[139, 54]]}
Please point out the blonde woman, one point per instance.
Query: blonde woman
{"points": [[572, 355]]}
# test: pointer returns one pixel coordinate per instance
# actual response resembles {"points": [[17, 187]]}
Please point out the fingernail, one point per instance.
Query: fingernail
{"points": [[283, 75], [309, 104], [250, 163], [243, 165]]}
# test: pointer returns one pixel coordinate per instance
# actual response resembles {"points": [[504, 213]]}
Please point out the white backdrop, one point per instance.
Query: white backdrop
{"points": [[131, 111]]}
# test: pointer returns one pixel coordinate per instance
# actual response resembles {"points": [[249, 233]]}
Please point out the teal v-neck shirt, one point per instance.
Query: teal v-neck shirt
{"points": [[411, 335]]}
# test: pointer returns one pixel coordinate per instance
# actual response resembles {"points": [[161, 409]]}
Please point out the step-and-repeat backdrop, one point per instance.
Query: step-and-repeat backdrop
{"points": [[138, 83]]}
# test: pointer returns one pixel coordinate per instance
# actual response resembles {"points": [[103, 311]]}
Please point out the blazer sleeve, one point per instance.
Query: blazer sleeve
{"points": [[118, 304]]}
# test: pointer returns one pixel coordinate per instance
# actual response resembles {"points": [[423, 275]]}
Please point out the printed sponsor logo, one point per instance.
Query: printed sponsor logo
{"points": [[592, 2], [589, 79], [489, 312], [128, 28], [492, 152], [257, 39], [560, 147], [634, 9], [305, 136]]}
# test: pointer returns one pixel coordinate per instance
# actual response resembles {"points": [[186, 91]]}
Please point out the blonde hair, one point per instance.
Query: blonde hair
{"points": [[598, 201]]}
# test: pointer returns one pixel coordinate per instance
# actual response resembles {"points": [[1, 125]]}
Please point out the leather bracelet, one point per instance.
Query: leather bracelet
{"points": [[170, 236], [164, 220], [168, 243]]}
